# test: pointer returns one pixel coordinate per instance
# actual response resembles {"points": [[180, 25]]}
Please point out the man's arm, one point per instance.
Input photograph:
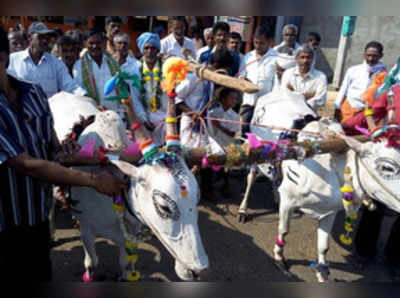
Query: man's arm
{"points": [[319, 98], [55, 173], [65, 81]]}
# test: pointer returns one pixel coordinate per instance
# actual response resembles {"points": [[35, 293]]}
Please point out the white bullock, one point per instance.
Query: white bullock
{"points": [[163, 196], [277, 109], [314, 187]]}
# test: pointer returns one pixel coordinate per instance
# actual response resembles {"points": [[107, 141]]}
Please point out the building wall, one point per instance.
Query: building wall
{"points": [[384, 29], [329, 28]]}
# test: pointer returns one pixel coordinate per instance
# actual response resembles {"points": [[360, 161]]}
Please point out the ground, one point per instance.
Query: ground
{"points": [[237, 252]]}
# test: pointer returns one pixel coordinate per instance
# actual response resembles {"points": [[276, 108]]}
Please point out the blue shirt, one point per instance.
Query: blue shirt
{"points": [[50, 73], [205, 58], [24, 201]]}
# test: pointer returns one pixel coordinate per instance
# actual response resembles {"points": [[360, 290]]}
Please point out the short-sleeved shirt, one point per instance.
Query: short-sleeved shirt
{"points": [[170, 46], [24, 200]]}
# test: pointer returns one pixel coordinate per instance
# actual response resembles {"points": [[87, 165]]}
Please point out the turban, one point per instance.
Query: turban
{"points": [[285, 61], [148, 37]]}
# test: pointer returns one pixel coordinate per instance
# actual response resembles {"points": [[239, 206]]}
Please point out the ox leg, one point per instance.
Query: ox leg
{"points": [[251, 178], [285, 212], [91, 260], [324, 229]]}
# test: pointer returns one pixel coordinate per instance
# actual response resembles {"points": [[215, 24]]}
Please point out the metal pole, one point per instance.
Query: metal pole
{"points": [[340, 60]]}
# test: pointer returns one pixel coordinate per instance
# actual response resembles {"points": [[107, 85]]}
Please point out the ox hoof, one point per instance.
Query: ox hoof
{"points": [[86, 278], [321, 271], [243, 217], [282, 265]]}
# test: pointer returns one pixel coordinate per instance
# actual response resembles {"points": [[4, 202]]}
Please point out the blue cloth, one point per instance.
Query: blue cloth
{"points": [[205, 58], [148, 37]]}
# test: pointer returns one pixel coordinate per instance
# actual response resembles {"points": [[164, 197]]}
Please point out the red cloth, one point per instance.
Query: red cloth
{"points": [[380, 112]]}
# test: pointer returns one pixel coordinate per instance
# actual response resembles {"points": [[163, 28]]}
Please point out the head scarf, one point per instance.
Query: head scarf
{"points": [[286, 61], [148, 37]]}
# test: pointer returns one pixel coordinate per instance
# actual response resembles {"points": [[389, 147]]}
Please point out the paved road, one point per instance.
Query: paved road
{"points": [[237, 252]]}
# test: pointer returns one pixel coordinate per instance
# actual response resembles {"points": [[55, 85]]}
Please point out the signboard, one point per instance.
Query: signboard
{"points": [[239, 24]]}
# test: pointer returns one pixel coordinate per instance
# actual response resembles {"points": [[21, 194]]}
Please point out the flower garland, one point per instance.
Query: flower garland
{"points": [[350, 208], [151, 83]]}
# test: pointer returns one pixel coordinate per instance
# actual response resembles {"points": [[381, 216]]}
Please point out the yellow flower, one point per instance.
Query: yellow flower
{"points": [[132, 259], [156, 78], [354, 216], [118, 208], [346, 189], [348, 227], [156, 69], [130, 244], [153, 105], [147, 78], [132, 277], [146, 71], [347, 203], [346, 240]]}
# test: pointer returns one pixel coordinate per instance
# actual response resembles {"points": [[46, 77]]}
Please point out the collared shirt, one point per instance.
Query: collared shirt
{"points": [[170, 46], [315, 81], [50, 73], [201, 51], [260, 71], [101, 75], [283, 44], [216, 111], [356, 81], [205, 58], [24, 200]]}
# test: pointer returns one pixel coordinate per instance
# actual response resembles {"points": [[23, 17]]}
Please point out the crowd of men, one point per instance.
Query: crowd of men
{"points": [[82, 62]]}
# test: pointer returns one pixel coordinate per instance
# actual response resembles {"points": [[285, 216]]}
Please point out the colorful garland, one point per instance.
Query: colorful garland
{"points": [[151, 81]]}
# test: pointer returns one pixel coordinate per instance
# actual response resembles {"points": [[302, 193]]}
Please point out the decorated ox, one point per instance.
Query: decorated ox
{"points": [[275, 114], [163, 193], [323, 185]]}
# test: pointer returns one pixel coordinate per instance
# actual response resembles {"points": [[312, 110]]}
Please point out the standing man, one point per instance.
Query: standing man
{"points": [[95, 68], [289, 37], [36, 65], [152, 97], [258, 67], [18, 41], [26, 172], [235, 43], [209, 39], [357, 80], [176, 43], [221, 33], [66, 52], [314, 40], [304, 79], [113, 26]]}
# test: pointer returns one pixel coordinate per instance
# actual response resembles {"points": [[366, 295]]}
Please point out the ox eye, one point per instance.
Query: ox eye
{"points": [[165, 207], [388, 169]]}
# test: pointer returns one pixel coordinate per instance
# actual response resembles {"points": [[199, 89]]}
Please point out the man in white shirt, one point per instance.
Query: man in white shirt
{"points": [[258, 67], [95, 68], [176, 43], [358, 78], [209, 38], [36, 65], [305, 80], [289, 36]]}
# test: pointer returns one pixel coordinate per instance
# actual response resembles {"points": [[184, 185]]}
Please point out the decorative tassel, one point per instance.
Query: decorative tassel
{"points": [[174, 70]]}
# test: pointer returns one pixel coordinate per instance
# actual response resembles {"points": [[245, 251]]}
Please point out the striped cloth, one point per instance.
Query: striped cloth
{"points": [[24, 200]]}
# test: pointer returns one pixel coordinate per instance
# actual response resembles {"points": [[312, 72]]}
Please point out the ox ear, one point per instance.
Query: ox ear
{"points": [[353, 144], [126, 168]]}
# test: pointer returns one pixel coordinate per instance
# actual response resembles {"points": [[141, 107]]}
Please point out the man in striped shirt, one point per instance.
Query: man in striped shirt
{"points": [[27, 143]]}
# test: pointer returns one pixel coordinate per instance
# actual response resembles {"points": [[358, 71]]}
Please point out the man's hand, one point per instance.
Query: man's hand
{"points": [[68, 148], [309, 95], [108, 184], [290, 87]]}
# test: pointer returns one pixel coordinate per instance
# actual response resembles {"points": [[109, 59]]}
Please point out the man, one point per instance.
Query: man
{"points": [[95, 68], [235, 43], [209, 39], [113, 26], [26, 172], [357, 80], [176, 43], [314, 40], [36, 65], [78, 39], [289, 37], [258, 67], [18, 41], [66, 52], [220, 34], [304, 79], [153, 100]]}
